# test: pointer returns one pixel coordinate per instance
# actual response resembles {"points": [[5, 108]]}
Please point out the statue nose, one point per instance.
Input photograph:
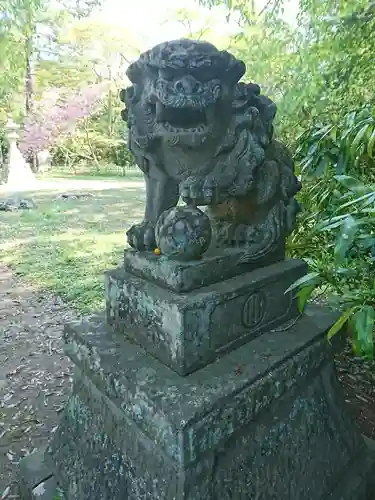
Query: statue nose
{"points": [[187, 85]]}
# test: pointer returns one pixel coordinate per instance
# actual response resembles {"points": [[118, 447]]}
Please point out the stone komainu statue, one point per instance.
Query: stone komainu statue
{"points": [[199, 134]]}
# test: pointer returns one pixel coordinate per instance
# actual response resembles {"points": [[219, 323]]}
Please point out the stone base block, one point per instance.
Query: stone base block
{"points": [[267, 421], [182, 277], [189, 330]]}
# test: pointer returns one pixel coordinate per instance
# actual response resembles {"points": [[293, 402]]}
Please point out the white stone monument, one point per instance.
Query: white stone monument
{"points": [[20, 175], [44, 159]]}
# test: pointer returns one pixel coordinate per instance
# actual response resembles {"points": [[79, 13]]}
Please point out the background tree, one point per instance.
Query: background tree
{"points": [[200, 24]]}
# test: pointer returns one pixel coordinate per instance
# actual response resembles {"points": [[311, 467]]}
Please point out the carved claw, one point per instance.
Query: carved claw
{"points": [[142, 236], [201, 191]]}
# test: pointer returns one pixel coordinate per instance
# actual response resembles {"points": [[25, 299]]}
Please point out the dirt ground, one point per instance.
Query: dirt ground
{"points": [[358, 381], [35, 376]]}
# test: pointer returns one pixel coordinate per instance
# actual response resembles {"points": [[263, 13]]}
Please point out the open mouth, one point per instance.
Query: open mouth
{"points": [[179, 118]]}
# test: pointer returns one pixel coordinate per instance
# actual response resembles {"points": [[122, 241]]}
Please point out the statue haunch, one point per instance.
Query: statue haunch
{"points": [[199, 134]]}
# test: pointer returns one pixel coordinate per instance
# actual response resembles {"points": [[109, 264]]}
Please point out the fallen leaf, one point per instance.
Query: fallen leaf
{"points": [[5, 493]]}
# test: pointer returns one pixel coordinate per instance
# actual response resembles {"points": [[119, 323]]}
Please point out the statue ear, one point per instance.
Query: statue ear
{"points": [[238, 70], [123, 95], [134, 72], [235, 69], [128, 94]]}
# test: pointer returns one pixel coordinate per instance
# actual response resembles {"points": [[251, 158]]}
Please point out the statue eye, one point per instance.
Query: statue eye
{"points": [[203, 74], [152, 72]]}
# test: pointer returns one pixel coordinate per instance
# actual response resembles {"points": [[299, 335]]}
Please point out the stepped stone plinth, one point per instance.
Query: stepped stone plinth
{"points": [[202, 380]]}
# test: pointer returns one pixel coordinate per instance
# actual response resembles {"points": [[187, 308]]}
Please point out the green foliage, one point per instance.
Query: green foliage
{"points": [[314, 65], [93, 147], [58, 45], [100, 140], [346, 146], [336, 233]]}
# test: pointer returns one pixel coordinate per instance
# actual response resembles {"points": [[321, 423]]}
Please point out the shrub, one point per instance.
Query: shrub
{"points": [[336, 231]]}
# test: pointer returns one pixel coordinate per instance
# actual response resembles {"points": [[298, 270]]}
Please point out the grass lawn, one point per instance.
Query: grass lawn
{"points": [[65, 245]]}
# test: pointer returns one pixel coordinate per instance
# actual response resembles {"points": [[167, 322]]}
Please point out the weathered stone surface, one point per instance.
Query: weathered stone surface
{"points": [[187, 331], [267, 421], [36, 479], [183, 233], [198, 133], [218, 265]]}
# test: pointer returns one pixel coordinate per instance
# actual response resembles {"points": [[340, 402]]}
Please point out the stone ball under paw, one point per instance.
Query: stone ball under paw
{"points": [[183, 233]]}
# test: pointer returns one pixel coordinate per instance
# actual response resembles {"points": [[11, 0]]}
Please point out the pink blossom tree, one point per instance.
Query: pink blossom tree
{"points": [[57, 115]]}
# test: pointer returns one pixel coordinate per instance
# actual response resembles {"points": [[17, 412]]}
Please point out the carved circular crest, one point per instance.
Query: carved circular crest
{"points": [[254, 309]]}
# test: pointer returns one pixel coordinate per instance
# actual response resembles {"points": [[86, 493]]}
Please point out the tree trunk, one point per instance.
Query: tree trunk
{"points": [[29, 92], [28, 76], [110, 104]]}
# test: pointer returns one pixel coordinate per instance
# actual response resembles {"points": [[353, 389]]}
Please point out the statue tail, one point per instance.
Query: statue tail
{"points": [[271, 231]]}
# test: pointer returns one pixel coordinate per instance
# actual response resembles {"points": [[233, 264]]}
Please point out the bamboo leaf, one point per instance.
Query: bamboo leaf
{"points": [[363, 323], [367, 199], [352, 184], [360, 135], [337, 327], [303, 296], [308, 279], [346, 237], [349, 273], [332, 223], [341, 163], [322, 166], [370, 144]]}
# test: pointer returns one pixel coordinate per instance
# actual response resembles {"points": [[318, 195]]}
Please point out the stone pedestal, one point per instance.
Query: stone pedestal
{"points": [[264, 418], [186, 330]]}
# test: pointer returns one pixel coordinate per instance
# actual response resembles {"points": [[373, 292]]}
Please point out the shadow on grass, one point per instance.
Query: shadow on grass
{"points": [[90, 174], [66, 245], [52, 191]]}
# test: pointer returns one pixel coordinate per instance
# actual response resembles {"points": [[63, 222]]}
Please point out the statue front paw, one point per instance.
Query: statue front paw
{"points": [[197, 191], [142, 236]]}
